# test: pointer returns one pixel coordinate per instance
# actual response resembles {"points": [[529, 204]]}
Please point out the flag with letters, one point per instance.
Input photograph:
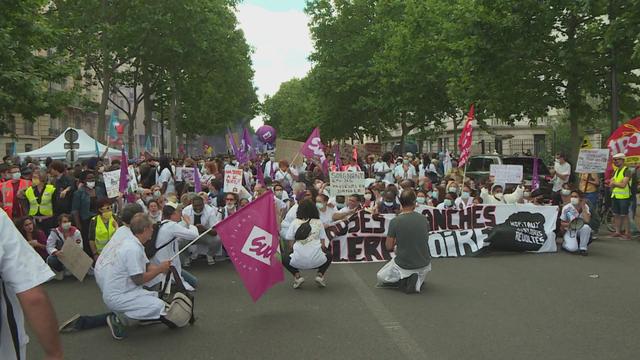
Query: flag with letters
{"points": [[250, 237], [466, 138]]}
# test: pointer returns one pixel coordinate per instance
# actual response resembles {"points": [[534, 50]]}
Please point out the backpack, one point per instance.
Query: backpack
{"points": [[303, 231], [180, 302], [150, 247]]}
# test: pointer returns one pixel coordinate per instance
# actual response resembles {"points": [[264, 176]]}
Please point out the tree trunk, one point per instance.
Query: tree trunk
{"points": [[148, 106], [403, 135], [173, 116], [102, 109]]}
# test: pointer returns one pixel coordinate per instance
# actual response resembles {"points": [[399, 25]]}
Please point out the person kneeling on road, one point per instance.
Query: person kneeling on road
{"points": [[408, 233]]}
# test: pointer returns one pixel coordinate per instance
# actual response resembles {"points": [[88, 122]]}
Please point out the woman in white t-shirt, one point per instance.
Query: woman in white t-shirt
{"points": [[326, 211], [165, 177], [310, 246]]}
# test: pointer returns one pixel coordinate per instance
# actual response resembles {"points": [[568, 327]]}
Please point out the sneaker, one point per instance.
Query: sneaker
{"points": [[211, 260], [298, 282], [59, 275], [69, 325], [410, 284], [115, 325], [584, 253], [320, 281]]}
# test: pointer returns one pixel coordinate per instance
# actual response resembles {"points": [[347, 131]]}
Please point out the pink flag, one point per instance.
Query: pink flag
{"points": [[124, 173], [466, 138], [312, 148], [250, 237], [260, 174]]}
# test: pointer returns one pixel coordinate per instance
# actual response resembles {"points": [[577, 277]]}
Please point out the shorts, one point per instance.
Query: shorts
{"points": [[620, 206]]}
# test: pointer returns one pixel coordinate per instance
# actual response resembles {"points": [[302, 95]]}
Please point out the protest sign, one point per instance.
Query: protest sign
{"points": [[112, 183], [453, 232], [133, 181], [592, 161], [506, 174], [75, 259], [232, 180], [346, 183], [289, 150], [188, 175]]}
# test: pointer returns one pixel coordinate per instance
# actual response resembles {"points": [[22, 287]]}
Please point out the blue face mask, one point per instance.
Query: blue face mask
{"points": [[448, 202], [465, 195], [434, 194]]}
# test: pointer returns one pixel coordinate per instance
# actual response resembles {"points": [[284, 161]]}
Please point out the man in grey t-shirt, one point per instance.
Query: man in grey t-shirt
{"points": [[408, 233]]}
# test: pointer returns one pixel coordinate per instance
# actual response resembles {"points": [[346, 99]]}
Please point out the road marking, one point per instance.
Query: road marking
{"points": [[398, 334]]}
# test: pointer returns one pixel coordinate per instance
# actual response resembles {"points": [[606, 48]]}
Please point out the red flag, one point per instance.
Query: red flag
{"points": [[251, 239], [466, 138], [354, 154], [626, 140]]}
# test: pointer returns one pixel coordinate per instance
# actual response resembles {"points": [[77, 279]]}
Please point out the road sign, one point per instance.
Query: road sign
{"points": [[72, 156], [71, 145], [71, 135]]}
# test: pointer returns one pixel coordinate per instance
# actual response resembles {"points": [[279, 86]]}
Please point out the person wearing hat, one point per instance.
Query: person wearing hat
{"points": [[620, 196], [13, 202]]}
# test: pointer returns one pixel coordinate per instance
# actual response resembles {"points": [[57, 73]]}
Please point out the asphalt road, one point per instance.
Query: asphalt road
{"points": [[502, 306]]}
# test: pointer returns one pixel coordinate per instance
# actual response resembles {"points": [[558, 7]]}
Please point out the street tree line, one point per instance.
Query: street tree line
{"points": [[187, 60], [410, 64]]}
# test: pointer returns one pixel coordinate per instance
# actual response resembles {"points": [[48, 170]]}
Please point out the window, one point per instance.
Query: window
{"points": [[78, 119], [28, 147], [8, 149], [28, 127], [480, 164]]}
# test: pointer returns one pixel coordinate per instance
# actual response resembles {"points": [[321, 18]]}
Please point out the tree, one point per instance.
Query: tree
{"points": [[32, 73], [293, 110]]}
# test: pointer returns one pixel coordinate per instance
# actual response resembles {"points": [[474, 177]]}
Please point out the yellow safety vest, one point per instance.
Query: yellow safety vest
{"points": [[45, 207], [103, 235], [617, 192]]}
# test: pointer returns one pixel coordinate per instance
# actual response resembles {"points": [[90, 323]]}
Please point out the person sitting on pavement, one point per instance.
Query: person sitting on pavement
{"points": [[407, 236], [203, 217], [174, 230], [57, 237], [309, 248], [448, 202], [354, 203], [465, 199], [577, 208], [34, 236], [497, 196], [388, 204]]}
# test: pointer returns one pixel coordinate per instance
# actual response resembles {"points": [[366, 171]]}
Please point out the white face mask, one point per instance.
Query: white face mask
{"points": [[453, 189], [448, 202], [339, 206], [565, 192], [465, 195], [527, 194], [91, 184], [388, 203], [231, 206], [421, 200], [16, 176], [66, 226], [498, 196], [279, 194], [197, 213], [575, 201], [367, 197], [157, 193]]}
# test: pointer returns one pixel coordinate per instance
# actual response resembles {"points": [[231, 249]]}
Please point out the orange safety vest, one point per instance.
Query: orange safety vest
{"points": [[7, 195]]}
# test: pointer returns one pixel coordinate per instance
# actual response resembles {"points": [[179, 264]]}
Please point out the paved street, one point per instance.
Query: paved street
{"points": [[504, 306]]}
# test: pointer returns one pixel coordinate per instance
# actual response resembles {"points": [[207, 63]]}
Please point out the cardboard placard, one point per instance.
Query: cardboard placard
{"points": [[188, 175], [289, 150], [346, 183], [112, 183], [233, 181], [592, 161], [506, 174], [75, 259]]}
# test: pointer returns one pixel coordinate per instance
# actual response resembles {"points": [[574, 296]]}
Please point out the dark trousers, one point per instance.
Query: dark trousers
{"points": [[286, 262]]}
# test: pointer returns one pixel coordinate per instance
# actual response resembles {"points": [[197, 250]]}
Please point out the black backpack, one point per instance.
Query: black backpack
{"points": [[150, 248], [303, 231]]}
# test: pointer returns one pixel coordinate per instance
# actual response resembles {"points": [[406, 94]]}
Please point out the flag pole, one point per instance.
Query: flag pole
{"points": [[189, 244]]}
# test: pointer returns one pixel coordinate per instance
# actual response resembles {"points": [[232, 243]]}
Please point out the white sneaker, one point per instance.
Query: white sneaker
{"points": [[298, 282], [320, 281], [211, 260], [59, 275]]}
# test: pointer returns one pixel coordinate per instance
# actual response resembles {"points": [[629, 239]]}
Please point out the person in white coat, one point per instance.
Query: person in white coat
{"points": [[309, 194], [309, 246], [174, 230], [497, 197], [204, 217], [576, 241]]}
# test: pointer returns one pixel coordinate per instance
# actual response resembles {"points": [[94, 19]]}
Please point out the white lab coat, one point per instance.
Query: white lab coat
{"points": [[308, 254], [175, 232]]}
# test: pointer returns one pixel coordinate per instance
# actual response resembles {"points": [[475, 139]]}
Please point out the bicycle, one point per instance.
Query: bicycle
{"points": [[604, 210]]}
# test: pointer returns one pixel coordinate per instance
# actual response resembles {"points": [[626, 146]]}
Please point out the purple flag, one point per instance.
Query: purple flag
{"points": [[338, 161], [250, 237], [313, 149], [124, 173], [197, 186], [260, 174], [247, 145], [535, 182], [234, 147]]}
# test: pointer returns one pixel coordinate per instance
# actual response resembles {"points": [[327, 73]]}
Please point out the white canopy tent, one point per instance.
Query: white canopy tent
{"points": [[55, 149]]}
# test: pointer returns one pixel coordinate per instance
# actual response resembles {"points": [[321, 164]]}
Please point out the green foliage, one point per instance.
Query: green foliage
{"points": [[293, 110], [30, 79]]}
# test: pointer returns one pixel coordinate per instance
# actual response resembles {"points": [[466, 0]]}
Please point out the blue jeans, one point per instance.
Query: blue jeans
{"points": [[189, 278], [592, 197], [91, 321]]}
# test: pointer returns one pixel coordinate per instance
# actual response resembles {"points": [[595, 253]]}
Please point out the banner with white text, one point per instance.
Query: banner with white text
{"points": [[455, 232]]}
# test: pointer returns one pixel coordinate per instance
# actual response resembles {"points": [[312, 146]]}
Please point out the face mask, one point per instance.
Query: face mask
{"points": [[157, 193], [388, 203], [272, 159], [527, 194], [35, 182], [406, 162], [465, 195], [453, 189], [566, 192], [279, 194], [421, 200], [101, 169], [448, 202], [231, 206], [107, 214], [91, 184], [16, 176], [367, 197], [66, 226], [339, 206], [317, 186], [148, 198], [434, 194], [575, 201], [197, 213], [320, 205], [498, 196]]}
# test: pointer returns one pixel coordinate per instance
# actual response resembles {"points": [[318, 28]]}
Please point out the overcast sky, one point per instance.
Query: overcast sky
{"points": [[277, 31]]}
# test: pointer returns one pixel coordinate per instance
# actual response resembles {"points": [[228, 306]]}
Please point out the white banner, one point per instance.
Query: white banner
{"points": [[506, 174], [454, 232], [346, 183], [592, 161], [112, 183], [233, 180]]}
